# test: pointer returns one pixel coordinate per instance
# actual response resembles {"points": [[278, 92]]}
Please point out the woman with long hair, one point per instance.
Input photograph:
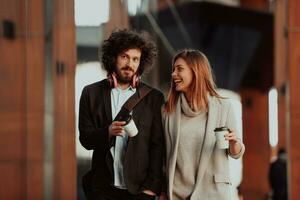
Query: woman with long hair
{"points": [[196, 168]]}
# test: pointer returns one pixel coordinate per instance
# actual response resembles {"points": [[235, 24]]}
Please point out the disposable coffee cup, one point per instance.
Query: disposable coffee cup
{"points": [[130, 128], [222, 143]]}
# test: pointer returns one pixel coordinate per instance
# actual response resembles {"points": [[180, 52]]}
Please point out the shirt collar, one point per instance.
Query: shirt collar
{"points": [[130, 88]]}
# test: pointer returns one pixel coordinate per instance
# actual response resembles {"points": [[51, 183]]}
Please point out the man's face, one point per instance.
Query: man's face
{"points": [[127, 64]]}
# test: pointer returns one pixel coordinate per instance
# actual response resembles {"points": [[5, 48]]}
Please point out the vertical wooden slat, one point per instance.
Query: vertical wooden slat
{"points": [[294, 97], [22, 83], [64, 62], [12, 106], [118, 17], [262, 5], [255, 135], [21, 102], [34, 37], [280, 67]]}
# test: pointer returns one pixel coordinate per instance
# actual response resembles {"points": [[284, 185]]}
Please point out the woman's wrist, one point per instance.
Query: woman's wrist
{"points": [[235, 146]]}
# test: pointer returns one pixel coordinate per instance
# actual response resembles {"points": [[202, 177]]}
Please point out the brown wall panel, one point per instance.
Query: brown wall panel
{"points": [[22, 83], [287, 48], [34, 37], [118, 18], [21, 106], [294, 96], [282, 120], [262, 5], [12, 132], [12, 180], [280, 44], [35, 75], [34, 179], [293, 14], [12, 107], [280, 68], [257, 156], [294, 156], [12, 78], [294, 69], [64, 52]]}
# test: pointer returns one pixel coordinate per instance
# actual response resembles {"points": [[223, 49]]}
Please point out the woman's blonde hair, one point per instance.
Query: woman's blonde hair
{"points": [[202, 84]]}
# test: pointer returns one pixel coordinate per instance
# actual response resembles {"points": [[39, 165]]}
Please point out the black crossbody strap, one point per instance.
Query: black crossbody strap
{"points": [[135, 99], [128, 106]]}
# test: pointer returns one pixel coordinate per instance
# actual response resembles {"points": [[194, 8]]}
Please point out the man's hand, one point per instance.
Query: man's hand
{"points": [[149, 192], [116, 128]]}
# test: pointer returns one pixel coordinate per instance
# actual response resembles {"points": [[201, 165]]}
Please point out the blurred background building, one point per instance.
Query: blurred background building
{"points": [[49, 52]]}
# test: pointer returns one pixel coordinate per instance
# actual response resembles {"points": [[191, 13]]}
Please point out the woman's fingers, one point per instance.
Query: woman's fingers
{"points": [[230, 136]]}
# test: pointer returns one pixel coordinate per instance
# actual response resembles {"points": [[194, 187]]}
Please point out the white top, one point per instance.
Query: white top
{"points": [[118, 98]]}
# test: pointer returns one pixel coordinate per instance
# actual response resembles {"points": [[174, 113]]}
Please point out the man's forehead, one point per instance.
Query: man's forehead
{"points": [[132, 51]]}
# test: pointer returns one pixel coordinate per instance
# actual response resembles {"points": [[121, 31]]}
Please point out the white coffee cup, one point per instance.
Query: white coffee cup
{"points": [[222, 143], [130, 128]]}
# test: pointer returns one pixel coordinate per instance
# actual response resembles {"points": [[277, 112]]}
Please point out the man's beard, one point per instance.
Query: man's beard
{"points": [[123, 78]]}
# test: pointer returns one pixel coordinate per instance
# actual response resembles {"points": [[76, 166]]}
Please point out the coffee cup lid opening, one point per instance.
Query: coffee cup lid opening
{"points": [[223, 128]]}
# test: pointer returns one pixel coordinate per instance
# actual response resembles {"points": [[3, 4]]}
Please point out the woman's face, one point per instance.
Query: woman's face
{"points": [[182, 76]]}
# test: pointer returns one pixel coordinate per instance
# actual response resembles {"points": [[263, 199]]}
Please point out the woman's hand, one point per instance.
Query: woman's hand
{"points": [[231, 137], [234, 142]]}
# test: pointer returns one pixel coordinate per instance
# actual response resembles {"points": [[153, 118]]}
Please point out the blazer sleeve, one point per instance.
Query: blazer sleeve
{"points": [[231, 123], [157, 150], [164, 177], [89, 135]]}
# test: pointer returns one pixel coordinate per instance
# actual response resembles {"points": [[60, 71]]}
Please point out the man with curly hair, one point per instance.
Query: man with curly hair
{"points": [[123, 167]]}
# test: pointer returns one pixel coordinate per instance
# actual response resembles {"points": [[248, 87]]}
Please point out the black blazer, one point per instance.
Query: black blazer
{"points": [[143, 157]]}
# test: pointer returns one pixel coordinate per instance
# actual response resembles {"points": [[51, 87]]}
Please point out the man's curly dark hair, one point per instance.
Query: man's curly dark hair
{"points": [[122, 40]]}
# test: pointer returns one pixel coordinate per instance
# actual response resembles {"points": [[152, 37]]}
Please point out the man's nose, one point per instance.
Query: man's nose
{"points": [[128, 62]]}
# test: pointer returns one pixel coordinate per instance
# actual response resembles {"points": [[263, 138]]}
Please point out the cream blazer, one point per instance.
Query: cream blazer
{"points": [[213, 179]]}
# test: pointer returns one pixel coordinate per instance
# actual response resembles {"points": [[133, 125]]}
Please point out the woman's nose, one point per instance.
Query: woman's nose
{"points": [[174, 73]]}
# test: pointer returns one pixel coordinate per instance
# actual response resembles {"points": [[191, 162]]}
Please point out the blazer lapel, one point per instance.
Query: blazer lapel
{"points": [[174, 126], [209, 140], [107, 101], [173, 123]]}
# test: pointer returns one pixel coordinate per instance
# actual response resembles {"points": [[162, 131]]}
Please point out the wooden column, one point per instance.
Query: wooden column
{"points": [[280, 52], [255, 136], [63, 71], [262, 5], [34, 33], [293, 66], [118, 17], [22, 107], [255, 183], [22, 102]]}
